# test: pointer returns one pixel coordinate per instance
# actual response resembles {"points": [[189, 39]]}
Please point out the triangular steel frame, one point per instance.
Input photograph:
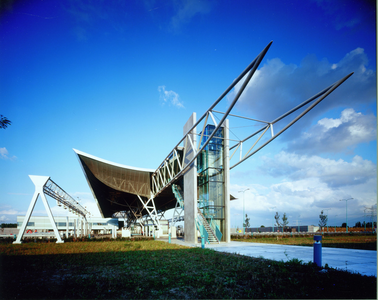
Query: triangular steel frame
{"points": [[39, 183]]}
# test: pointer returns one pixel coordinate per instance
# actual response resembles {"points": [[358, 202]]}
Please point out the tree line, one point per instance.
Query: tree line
{"points": [[9, 225], [323, 222]]}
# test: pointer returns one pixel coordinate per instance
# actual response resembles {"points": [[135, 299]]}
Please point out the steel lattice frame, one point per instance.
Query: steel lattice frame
{"points": [[62, 198], [44, 185], [174, 164]]}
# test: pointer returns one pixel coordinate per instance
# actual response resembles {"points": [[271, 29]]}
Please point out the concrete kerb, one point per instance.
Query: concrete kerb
{"points": [[363, 262]]}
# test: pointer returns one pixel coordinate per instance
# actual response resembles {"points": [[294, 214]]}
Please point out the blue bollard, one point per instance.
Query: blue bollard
{"points": [[202, 242], [318, 250], [169, 238]]}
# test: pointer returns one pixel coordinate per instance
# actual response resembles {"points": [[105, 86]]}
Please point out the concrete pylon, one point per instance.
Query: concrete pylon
{"points": [[190, 185], [226, 170]]}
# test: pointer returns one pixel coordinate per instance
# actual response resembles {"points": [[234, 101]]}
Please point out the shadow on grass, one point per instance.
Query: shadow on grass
{"points": [[131, 272]]}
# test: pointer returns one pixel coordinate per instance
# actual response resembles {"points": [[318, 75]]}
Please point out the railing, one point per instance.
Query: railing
{"points": [[203, 219], [218, 233], [216, 229], [178, 195], [201, 229]]}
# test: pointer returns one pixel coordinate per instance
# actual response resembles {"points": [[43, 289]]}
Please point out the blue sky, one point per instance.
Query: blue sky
{"points": [[119, 79]]}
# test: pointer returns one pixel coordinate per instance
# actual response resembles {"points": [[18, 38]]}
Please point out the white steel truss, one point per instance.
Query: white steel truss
{"points": [[149, 206], [62, 198], [44, 185], [174, 165], [161, 178]]}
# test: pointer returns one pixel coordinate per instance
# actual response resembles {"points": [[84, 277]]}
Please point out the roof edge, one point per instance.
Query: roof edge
{"points": [[78, 152]]}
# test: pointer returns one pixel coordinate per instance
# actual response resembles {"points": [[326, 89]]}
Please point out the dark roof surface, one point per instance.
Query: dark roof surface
{"points": [[116, 187]]}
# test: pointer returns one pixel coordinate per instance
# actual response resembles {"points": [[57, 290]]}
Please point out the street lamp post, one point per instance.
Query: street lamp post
{"points": [[346, 202], [243, 209]]}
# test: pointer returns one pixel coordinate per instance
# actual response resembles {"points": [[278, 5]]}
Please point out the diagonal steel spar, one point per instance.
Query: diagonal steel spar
{"points": [[166, 174], [160, 184]]}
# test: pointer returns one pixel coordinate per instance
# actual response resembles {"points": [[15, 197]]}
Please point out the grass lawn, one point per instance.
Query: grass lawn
{"points": [[158, 270], [351, 241]]}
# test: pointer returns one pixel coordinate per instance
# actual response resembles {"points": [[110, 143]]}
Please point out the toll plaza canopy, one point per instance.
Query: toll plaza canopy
{"points": [[121, 188]]}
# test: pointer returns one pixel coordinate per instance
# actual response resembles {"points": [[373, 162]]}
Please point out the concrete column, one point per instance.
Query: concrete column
{"points": [[86, 227], [67, 227], [81, 228], [226, 173], [190, 186], [75, 228], [114, 232], [173, 232]]}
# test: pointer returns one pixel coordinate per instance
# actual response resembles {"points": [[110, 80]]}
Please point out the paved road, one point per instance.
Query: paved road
{"points": [[360, 261]]}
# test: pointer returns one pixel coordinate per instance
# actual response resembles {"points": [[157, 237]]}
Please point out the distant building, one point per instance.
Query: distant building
{"points": [[41, 224]]}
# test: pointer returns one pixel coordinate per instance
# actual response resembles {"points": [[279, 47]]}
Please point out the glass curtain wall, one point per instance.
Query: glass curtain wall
{"points": [[211, 178]]}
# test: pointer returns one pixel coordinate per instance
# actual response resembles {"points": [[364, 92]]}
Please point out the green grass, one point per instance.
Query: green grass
{"points": [[351, 241], [149, 269]]}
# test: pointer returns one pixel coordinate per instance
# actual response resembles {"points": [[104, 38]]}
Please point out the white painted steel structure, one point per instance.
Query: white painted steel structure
{"points": [[43, 184], [177, 164], [174, 165], [151, 192]]}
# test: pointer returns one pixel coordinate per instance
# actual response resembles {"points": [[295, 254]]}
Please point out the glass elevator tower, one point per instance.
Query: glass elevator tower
{"points": [[210, 171]]}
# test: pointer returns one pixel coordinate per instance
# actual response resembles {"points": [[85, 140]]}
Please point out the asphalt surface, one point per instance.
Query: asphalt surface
{"points": [[352, 260]]}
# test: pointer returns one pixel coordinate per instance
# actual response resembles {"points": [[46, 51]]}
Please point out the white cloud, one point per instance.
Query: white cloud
{"points": [[170, 97], [277, 87], [4, 154], [337, 135], [9, 212], [9, 215], [334, 173], [304, 186]]}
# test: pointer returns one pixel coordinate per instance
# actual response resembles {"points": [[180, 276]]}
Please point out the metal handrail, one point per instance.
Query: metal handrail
{"points": [[204, 220]]}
